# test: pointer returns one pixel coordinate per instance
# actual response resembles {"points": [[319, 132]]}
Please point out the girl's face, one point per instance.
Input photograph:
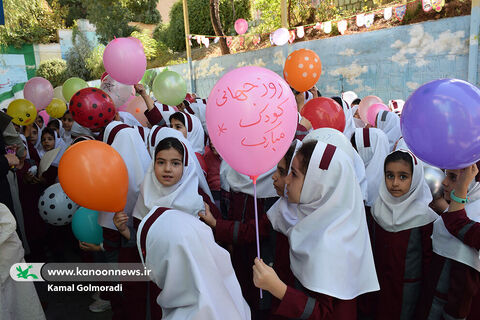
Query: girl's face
{"points": [[168, 167], [33, 135], [398, 177], [48, 142], [179, 126], [67, 122], [56, 129], [279, 177], [295, 180], [39, 121], [449, 182]]}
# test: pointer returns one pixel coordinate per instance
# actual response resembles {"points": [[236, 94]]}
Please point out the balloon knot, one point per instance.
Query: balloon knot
{"points": [[254, 179], [137, 110]]}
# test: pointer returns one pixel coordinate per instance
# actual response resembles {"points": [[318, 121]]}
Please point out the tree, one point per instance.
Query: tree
{"points": [[77, 57], [217, 26], [144, 11], [30, 21], [110, 17]]}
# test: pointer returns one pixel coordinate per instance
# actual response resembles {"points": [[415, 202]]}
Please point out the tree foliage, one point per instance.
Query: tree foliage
{"points": [[54, 70], [144, 11], [30, 21], [110, 17], [173, 34]]}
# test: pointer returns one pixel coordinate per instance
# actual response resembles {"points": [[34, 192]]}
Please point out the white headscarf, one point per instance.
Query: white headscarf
{"points": [[373, 148], [158, 133], [182, 196], [52, 157], [78, 130], [335, 137], [128, 118], [38, 142], [195, 274], [389, 123], [396, 106], [283, 214], [330, 250], [349, 123], [129, 144], [349, 96], [408, 211], [198, 108], [238, 182], [446, 245], [195, 133]]}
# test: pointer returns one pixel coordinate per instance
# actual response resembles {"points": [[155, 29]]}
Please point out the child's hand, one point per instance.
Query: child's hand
{"points": [[314, 92], [264, 277], [439, 205], [140, 89], [465, 176], [300, 98], [89, 246], [207, 217], [12, 159], [120, 220]]}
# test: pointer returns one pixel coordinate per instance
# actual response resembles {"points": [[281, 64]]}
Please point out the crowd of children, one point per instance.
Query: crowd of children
{"points": [[347, 231]]}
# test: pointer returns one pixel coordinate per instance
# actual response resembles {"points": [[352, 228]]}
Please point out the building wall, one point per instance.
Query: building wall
{"points": [[390, 63]]}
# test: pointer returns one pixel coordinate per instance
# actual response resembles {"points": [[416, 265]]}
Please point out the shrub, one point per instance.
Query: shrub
{"points": [[144, 11], [150, 45], [54, 70], [95, 62], [77, 57]]}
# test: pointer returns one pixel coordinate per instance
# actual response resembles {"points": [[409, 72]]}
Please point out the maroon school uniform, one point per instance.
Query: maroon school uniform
{"points": [[401, 260], [453, 287]]}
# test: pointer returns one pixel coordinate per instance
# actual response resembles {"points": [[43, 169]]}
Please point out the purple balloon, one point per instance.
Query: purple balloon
{"points": [[280, 36], [441, 123], [39, 91]]}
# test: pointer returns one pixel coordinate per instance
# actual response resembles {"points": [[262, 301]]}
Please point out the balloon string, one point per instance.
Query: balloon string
{"points": [[254, 178]]}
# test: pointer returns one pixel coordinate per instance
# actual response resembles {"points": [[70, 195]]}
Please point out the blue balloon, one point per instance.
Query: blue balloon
{"points": [[85, 226], [441, 123]]}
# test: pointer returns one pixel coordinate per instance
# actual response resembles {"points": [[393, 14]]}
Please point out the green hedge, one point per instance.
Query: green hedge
{"points": [[54, 70]]}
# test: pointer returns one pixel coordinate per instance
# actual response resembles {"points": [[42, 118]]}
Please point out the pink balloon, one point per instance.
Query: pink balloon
{"points": [[124, 60], [280, 36], [373, 111], [137, 107], [365, 104], [241, 26], [252, 118], [39, 91], [44, 116]]}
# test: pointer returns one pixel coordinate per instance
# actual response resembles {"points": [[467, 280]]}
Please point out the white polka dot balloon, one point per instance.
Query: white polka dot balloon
{"points": [[55, 207]]}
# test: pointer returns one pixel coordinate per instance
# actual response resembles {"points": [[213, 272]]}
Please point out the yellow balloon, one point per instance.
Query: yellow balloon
{"points": [[57, 93], [56, 108], [22, 111]]}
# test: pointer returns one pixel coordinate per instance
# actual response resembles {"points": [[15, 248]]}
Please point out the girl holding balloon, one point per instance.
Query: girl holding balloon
{"points": [[330, 254], [454, 277]]}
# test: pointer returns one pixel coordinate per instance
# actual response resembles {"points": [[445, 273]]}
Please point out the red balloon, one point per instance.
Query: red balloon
{"points": [[324, 113], [92, 108]]}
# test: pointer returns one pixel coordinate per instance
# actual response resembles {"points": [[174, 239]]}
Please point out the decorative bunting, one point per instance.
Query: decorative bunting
{"points": [[216, 40], [387, 13], [271, 39], [369, 20], [327, 26], [318, 26], [438, 5], [256, 39], [241, 41], [300, 32], [342, 26], [400, 12], [199, 39], [206, 42], [291, 38], [360, 20], [229, 41], [427, 5]]}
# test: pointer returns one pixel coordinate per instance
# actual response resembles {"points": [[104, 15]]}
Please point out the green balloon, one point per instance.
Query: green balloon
{"points": [[85, 226], [169, 88], [71, 86]]}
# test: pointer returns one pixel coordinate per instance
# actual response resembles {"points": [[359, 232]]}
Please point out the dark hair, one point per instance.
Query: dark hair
{"points": [[318, 93], [338, 100], [53, 123], [50, 131], [66, 112], [356, 101], [178, 116], [306, 152], [354, 143], [39, 116], [169, 143], [398, 156], [289, 155]]}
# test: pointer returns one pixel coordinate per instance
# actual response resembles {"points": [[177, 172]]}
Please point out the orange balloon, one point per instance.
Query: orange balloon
{"points": [[137, 107], [94, 175], [302, 69]]}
